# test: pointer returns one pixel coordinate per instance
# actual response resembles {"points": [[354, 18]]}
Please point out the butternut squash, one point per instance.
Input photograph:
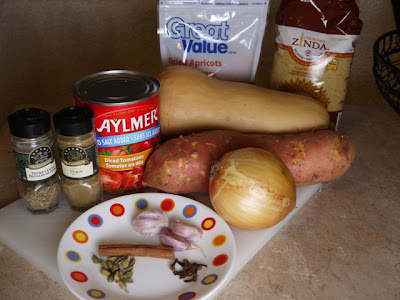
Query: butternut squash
{"points": [[191, 101]]}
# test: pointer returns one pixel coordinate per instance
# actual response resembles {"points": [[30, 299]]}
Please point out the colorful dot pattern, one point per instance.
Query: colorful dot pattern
{"points": [[189, 211], [219, 240], [117, 210], [81, 236], [142, 204], [187, 296], [167, 205], [95, 220], [209, 279], [208, 224], [73, 256], [79, 276], [96, 294], [219, 260]]}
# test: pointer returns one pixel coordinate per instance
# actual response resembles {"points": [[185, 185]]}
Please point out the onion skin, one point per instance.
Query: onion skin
{"points": [[252, 189]]}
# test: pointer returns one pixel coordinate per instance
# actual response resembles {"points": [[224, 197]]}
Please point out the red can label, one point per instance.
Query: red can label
{"points": [[126, 136]]}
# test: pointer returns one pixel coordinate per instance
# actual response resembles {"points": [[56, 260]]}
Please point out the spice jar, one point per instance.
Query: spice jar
{"points": [[77, 148], [38, 181]]}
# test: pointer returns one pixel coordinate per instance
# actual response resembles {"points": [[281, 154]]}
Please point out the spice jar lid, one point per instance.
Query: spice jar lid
{"points": [[73, 121], [29, 122]]}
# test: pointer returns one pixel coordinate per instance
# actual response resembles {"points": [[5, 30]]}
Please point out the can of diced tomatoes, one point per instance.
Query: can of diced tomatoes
{"points": [[126, 116]]}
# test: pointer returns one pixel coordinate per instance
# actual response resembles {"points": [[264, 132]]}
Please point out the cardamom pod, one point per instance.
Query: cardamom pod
{"points": [[118, 269], [103, 264], [122, 285], [128, 274], [128, 280], [113, 258], [132, 262], [125, 263], [95, 259], [105, 272], [111, 277]]}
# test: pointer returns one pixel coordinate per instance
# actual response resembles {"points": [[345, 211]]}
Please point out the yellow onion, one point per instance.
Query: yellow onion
{"points": [[252, 189]]}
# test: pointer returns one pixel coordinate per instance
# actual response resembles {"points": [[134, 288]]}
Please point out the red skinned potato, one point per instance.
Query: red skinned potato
{"points": [[182, 165]]}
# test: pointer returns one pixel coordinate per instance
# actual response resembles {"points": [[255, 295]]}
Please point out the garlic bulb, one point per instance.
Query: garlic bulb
{"points": [[150, 222], [192, 234], [177, 242], [252, 189]]}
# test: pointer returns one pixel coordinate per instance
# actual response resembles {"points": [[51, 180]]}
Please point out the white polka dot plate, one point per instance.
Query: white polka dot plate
{"points": [[110, 223]]}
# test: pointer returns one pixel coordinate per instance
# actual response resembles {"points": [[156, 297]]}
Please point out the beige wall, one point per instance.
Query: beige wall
{"points": [[46, 45]]}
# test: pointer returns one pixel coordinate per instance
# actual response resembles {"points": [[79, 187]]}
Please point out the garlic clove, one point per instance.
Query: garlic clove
{"points": [[179, 243], [150, 222], [192, 234]]}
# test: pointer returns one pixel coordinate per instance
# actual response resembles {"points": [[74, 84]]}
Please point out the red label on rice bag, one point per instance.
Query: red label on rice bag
{"points": [[126, 135]]}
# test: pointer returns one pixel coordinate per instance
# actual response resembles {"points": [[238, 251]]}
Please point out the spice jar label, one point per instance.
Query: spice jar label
{"points": [[38, 165], [79, 163]]}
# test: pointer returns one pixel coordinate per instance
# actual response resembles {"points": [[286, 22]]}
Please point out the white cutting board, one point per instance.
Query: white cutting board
{"points": [[36, 237]]}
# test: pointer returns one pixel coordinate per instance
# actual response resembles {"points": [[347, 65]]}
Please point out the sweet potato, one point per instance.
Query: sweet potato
{"points": [[182, 165]]}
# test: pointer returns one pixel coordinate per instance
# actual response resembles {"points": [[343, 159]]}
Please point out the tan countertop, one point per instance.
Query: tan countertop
{"points": [[343, 244]]}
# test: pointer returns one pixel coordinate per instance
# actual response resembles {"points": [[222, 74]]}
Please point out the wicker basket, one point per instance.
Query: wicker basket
{"points": [[386, 67]]}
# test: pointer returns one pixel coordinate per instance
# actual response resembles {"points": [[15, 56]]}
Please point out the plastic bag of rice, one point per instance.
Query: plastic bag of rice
{"points": [[315, 48]]}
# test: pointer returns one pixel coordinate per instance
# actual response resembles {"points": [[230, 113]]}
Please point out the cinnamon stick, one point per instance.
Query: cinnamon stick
{"points": [[136, 250]]}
